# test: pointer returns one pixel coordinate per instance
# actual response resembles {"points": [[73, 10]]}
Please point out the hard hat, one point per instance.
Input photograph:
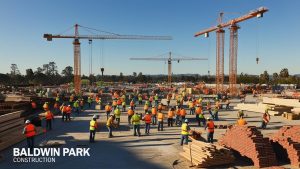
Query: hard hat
{"points": [[186, 120], [147, 113], [208, 118], [69, 105], [153, 106], [27, 121], [95, 117]]}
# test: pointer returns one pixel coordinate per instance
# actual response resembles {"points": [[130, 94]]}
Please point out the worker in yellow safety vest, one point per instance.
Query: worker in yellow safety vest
{"points": [[109, 124], [135, 119], [185, 128], [117, 113], [160, 119], [93, 128]]}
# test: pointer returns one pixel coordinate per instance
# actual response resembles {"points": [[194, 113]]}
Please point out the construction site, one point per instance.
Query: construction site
{"points": [[148, 121]]}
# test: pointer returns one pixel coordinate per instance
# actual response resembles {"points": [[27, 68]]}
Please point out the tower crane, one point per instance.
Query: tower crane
{"points": [[169, 59], [233, 27], [76, 44]]}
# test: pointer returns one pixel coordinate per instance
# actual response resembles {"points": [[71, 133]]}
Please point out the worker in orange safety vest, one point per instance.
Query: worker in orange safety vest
{"points": [[147, 119], [210, 126], [30, 132], [154, 114], [160, 119], [49, 117], [68, 113], [170, 117]]}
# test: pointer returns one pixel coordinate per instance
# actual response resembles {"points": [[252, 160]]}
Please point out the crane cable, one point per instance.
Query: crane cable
{"points": [[257, 41]]}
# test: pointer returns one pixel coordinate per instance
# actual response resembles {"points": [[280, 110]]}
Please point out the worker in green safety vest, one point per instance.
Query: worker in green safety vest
{"points": [[93, 128], [135, 119], [117, 113]]}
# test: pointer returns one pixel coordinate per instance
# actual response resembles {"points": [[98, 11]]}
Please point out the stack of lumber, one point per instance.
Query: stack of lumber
{"points": [[289, 138], [9, 107], [204, 154], [11, 127], [282, 102], [249, 142]]}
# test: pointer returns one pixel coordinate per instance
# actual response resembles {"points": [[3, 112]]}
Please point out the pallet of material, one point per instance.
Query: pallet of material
{"points": [[282, 102], [14, 138], [291, 116], [11, 124], [204, 154], [10, 116]]}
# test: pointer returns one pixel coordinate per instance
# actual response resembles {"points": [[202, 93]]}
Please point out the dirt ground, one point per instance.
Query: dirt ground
{"points": [[159, 150]]}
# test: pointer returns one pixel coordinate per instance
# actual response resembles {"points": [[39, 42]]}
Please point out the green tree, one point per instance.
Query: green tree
{"points": [[284, 73]]}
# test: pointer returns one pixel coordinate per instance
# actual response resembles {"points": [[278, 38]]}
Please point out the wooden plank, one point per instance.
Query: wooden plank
{"points": [[10, 116], [14, 129], [12, 125]]}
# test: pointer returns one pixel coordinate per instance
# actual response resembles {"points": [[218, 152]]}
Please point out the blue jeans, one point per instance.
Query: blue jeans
{"points": [[210, 137], [109, 131], [30, 143], [154, 120], [160, 126], [136, 129], [184, 138], [216, 116], [147, 128]]}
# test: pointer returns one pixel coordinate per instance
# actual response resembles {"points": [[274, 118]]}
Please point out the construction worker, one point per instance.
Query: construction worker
{"points": [[68, 113], [241, 121], [33, 106], [71, 99], [90, 101], [182, 114], [124, 106], [49, 117], [154, 113], [210, 126], [135, 119], [265, 119], [146, 107], [30, 132], [151, 100], [130, 113], [216, 113], [93, 128], [117, 113], [147, 119], [169, 99], [119, 102], [156, 99], [185, 128], [56, 107], [63, 109], [114, 104], [109, 124], [107, 110], [81, 103], [177, 118], [192, 107], [240, 114], [227, 102], [160, 119], [208, 107], [140, 98], [159, 107], [170, 117], [132, 104], [200, 101], [199, 116], [57, 98], [76, 106]]}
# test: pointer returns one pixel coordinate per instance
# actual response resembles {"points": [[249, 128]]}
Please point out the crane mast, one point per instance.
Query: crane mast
{"points": [[233, 48], [76, 48]]}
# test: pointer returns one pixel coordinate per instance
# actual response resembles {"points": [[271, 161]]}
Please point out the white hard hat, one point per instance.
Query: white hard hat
{"points": [[208, 118], [95, 117], [186, 120], [27, 121]]}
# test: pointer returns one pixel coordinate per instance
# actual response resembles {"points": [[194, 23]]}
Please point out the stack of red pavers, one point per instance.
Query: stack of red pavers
{"points": [[249, 142], [289, 138]]}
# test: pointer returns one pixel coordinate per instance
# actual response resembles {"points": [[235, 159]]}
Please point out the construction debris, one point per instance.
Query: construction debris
{"points": [[204, 154], [289, 138], [249, 142]]}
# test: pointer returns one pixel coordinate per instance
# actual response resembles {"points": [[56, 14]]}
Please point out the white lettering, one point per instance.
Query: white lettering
{"points": [[86, 152], [16, 152], [65, 151]]}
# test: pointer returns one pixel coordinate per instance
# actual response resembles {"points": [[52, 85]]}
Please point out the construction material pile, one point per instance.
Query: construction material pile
{"points": [[204, 154], [289, 138], [249, 142], [11, 127]]}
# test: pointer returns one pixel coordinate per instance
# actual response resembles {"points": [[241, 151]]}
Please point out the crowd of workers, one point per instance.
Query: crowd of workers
{"points": [[205, 114]]}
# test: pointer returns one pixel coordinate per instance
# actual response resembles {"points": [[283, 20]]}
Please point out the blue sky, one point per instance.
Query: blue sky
{"points": [[275, 38]]}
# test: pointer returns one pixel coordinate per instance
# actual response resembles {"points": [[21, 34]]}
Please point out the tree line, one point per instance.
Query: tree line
{"points": [[48, 74]]}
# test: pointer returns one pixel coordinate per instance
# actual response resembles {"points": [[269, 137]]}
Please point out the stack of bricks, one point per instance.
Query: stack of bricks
{"points": [[249, 142], [289, 138]]}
